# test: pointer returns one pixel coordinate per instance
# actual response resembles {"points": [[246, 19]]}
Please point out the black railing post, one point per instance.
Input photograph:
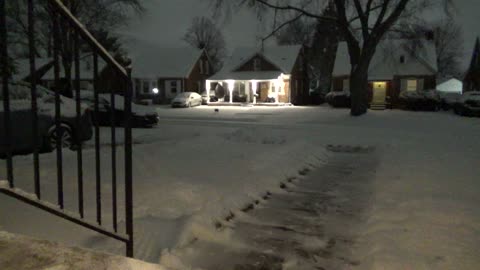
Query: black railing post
{"points": [[33, 85], [128, 164], [5, 67], [98, 183], [58, 125], [114, 157], [76, 55]]}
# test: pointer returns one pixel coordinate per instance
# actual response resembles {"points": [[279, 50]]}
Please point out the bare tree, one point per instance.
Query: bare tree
{"points": [[205, 35], [100, 17], [299, 32], [448, 37], [362, 24]]}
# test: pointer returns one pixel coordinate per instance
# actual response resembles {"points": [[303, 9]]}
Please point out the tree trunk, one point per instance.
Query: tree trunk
{"points": [[359, 91]]}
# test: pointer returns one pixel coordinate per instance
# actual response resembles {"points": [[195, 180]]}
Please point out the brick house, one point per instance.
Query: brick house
{"points": [[471, 81], [161, 73], [397, 66], [270, 75]]}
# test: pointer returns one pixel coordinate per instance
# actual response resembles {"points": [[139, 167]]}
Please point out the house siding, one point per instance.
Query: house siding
{"points": [[195, 82], [299, 81], [264, 65], [393, 86]]}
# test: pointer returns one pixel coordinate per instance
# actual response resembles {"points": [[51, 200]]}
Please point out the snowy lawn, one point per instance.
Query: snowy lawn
{"points": [[198, 165]]}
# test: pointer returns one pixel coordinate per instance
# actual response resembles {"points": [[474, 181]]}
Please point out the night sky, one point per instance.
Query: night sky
{"points": [[165, 22]]}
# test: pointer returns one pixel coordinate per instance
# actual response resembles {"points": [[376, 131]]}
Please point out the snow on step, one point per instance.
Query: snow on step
{"points": [[20, 252]]}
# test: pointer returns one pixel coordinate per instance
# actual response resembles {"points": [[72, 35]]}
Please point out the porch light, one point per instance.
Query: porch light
{"points": [[155, 91]]}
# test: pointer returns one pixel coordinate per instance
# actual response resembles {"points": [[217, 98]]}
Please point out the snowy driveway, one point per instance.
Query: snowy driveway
{"points": [[197, 166]]}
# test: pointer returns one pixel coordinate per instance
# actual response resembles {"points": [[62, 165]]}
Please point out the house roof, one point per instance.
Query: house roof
{"points": [[385, 64], [150, 60], [22, 67], [86, 69], [283, 57]]}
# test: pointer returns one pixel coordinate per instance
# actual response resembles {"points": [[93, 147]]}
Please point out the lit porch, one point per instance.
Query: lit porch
{"points": [[255, 88]]}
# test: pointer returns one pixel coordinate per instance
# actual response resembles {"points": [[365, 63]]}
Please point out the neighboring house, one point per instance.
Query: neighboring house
{"points": [[272, 74], [86, 73], [22, 68], [450, 85], [161, 73], [395, 67], [472, 78]]}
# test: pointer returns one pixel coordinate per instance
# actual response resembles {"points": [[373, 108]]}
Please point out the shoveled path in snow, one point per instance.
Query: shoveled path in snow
{"points": [[312, 225]]}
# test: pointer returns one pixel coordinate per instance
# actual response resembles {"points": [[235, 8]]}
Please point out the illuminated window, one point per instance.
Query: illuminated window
{"points": [[256, 64], [412, 85]]}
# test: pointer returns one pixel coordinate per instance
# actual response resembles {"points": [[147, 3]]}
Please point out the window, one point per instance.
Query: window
{"points": [[256, 64], [146, 87], [402, 59], [137, 85], [173, 86], [346, 85], [412, 85]]}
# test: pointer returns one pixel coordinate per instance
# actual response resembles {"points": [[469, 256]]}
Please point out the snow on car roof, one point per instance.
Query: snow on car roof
{"points": [[420, 60], [284, 57]]}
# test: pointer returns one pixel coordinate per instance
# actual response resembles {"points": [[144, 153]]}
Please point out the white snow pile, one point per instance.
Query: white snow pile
{"points": [[333, 94], [19, 252], [420, 95]]}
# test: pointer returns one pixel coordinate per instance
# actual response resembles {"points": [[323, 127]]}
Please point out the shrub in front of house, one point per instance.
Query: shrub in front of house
{"points": [[426, 100], [338, 99]]}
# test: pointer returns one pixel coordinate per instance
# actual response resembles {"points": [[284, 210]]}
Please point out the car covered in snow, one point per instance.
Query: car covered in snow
{"points": [[187, 99], [468, 104], [338, 99], [142, 115], [71, 132], [424, 100]]}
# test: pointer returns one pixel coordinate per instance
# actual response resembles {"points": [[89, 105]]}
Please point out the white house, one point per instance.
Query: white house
{"points": [[258, 75]]}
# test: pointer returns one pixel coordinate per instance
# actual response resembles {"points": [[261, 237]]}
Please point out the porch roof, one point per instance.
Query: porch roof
{"points": [[246, 75]]}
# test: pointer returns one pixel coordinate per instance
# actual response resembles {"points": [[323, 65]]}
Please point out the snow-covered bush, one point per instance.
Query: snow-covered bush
{"points": [[338, 99], [426, 100]]}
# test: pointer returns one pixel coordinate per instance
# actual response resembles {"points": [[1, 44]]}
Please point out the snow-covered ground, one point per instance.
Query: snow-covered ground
{"points": [[197, 166]]}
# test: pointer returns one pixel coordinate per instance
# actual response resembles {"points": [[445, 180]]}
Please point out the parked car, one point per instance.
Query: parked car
{"points": [[338, 99], [425, 100], [187, 99], [468, 104], [213, 97], [142, 115], [71, 132], [448, 100]]}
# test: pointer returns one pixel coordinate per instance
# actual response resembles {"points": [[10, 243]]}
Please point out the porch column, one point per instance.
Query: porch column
{"points": [[231, 85], [207, 89], [277, 89], [254, 91], [247, 89]]}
